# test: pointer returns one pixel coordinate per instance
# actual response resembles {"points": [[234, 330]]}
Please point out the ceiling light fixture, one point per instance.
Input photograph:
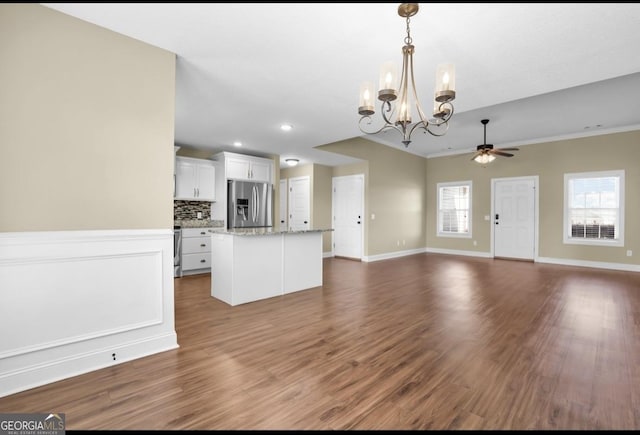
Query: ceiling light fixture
{"points": [[292, 162], [485, 153], [286, 127], [237, 144], [398, 115], [484, 158]]}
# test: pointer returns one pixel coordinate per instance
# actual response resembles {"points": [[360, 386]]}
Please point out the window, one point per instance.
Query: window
{"points": [[454, 209], [594, 208]]}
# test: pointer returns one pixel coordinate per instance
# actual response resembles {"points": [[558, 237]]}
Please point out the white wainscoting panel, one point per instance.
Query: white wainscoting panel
{"points": [[76, 301]]}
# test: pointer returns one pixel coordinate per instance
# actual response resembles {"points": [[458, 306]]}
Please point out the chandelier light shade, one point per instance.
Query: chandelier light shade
{"points": [[399, 100]]}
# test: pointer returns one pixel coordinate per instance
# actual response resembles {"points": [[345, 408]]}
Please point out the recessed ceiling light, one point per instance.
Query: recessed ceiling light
{"points": [[292, 162], [237, 144], [286, 127]]}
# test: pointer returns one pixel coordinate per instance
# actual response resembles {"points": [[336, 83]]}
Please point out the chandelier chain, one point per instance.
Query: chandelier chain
{"points": [[407, 39]]}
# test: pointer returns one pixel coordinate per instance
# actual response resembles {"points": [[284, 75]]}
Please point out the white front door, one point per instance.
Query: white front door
{"points": [[284, 193], [299, 203], [348, 216], [514, 217]]}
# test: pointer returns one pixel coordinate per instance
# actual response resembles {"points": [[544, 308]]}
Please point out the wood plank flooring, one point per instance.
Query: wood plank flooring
{"points": [[422, 342]]}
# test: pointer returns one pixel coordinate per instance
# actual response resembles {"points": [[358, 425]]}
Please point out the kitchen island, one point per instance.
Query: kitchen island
{"points": [[250, 264]]}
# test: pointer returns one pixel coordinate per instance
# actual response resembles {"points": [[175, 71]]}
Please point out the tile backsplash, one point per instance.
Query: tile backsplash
{"points": [[188, 210]]}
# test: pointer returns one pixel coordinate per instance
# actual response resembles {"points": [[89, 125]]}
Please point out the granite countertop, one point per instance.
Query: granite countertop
{"points": [[197, 223], [265, 231]]}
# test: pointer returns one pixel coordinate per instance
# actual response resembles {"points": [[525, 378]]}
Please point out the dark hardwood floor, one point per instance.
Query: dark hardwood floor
{"points": [[421, 342]]}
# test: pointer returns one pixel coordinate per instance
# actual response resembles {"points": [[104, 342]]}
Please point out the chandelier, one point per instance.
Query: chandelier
{"points": [[397, 113]]}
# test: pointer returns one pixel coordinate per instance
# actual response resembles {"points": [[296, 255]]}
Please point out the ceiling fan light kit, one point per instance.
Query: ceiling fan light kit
{"points": [[486, 153], [397, 101]]}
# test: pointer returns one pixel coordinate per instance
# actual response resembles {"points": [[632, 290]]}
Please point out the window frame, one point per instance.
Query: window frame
{"points": [[566, 237], [439, 186]]}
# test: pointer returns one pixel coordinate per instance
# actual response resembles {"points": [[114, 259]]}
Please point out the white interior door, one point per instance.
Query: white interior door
{"points": [[284, 193], [514, 217], [348, 216], [299, 203]]}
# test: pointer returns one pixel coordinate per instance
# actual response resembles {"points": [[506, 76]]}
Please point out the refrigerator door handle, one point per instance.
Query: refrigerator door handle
{"points": [[254, 201]]}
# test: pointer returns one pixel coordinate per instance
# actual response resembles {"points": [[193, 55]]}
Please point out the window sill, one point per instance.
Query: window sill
{"points": [[612, 243]]}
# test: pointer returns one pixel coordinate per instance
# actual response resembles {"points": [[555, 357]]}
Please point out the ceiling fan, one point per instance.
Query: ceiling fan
{"points": [[486, 153]]}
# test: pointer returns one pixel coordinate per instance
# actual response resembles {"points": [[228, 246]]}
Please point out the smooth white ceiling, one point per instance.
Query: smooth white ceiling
{"points": [[538, 71]]}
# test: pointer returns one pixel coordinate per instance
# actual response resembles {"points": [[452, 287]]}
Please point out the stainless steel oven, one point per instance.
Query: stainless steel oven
{"points": [[177, 252]]}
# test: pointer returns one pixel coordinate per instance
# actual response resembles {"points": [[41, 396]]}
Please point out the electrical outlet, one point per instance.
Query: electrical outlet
{"points": [[373, 216], [199, 215], [398, 242], [475, 243], [629, 253]]}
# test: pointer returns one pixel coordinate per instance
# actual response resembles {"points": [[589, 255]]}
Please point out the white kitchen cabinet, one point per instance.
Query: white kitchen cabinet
{"points": [[237, 168], [195, 179], [261, 170], [196, 250], [242, 167]]}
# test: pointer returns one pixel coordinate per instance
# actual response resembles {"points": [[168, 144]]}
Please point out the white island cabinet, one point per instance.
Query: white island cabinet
{"points": [[260, 263]]}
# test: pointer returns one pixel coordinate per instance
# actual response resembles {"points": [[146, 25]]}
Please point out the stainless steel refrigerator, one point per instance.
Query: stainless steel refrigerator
{"points": [[249, 204]]}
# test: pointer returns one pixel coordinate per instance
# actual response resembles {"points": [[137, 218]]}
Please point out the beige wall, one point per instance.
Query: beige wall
{"points": [[86, 126], [549, 161], [322, 207], [394, 192], [352, 169]]}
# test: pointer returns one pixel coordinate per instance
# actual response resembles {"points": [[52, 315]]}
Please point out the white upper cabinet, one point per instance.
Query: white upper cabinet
{"points": [[243, 167], [261, 170], [238, 168], [195, 179]]}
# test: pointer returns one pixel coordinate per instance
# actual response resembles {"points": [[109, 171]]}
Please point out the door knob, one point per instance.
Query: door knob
{"points": [[306, 222]]}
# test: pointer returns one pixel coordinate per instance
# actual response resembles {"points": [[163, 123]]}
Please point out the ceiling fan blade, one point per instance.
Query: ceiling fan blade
{"points": [[500, 153], [476, 155], [509, 149]]}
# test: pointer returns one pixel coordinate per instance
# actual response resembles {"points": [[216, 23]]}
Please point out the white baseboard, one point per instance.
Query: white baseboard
{"points": [[328, 254], [73, 298], [390, 255], [560, 261], [75, 365], [592, 264], [457, 252]]}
